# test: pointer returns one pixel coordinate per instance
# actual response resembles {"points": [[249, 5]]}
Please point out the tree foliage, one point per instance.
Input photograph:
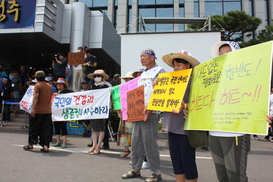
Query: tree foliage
{"points": [[232, 22]]}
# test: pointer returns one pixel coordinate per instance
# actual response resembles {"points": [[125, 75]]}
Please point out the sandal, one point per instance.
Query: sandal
{"points": [[97, 151], [131, 174], [125, 153], [27, 147], [154, 178], [44, 150], [57, 144], [91, 150]]}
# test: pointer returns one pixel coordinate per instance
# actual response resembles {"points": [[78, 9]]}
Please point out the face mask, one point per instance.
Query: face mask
{"points": [[97, 79]]}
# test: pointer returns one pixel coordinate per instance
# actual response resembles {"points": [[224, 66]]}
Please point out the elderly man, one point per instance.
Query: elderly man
{"points": [[144, 137], [41, 123]]}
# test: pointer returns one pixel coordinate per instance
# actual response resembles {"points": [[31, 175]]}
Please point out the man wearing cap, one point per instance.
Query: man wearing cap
{"points": [[116, 80], [144, 137], [59, 65], [49, 80], [41, 123]]}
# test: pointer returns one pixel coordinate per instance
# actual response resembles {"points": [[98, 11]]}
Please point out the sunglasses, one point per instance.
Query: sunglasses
{"points": [[97, 76]]}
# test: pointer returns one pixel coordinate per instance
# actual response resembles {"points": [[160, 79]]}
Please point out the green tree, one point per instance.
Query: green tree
{"points": [[232, 22], [264, 35]]}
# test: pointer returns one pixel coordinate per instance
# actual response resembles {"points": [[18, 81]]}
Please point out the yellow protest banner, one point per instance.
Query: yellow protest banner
{"points": [[169, 90], [231, 92]]}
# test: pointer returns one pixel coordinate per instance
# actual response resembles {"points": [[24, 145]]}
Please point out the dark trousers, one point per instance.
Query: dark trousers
{"points": [[106, 134], [6, 113], [40, 125], [60, 127]]}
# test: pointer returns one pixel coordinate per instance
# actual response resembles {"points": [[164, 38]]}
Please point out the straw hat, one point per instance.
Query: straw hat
{"points": [[62, 80], [128, 75], [215, 48], [98, 72], [32, 81], [168, 58]]}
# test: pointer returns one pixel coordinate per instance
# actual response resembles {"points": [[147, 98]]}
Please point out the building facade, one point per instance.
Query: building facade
{"points": [[126, 14]]}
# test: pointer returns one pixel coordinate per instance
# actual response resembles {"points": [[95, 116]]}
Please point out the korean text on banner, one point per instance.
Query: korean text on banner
{"points": [[116, 97], [135, 101], [26, 102], [169, 90], [93, 104], [231, 92], [124, 88]]}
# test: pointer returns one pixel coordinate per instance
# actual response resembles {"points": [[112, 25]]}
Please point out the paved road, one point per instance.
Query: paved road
{"points": [[73, 164]]}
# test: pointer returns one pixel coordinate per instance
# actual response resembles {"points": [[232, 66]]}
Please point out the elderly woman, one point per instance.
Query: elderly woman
{"points": [[98, 125], [182, 154], [60, 126]]}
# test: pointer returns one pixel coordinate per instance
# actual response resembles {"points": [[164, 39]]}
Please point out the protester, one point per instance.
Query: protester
{"points": [[59, 65], [144, 137], [116, 80], [90, 64], [138, 72], [98, 125], [7, 94], [77, 73], [60, 126], [40, 123], [85, 123], [49, 80], [229, 150], [125, 128], [16, 86], [182, 154]]}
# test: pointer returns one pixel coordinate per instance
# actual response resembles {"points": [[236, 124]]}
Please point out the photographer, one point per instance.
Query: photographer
{"points": [[59, 65]]}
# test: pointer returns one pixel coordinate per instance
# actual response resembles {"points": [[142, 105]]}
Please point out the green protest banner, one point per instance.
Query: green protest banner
{"points": [[116, 97], [231, 92]]}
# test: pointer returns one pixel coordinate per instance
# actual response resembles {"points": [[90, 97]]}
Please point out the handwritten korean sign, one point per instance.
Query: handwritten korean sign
{"points": [[124, 88], [231, 92], [93, 104], [26, 101], [135, 104], [75, 58], [169, 91], [116, 97]]}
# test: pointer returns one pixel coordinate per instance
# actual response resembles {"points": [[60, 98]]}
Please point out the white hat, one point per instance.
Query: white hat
{"points": [[215, 48], [128, 75]]}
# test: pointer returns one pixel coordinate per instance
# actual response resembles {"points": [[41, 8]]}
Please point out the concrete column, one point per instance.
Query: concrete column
{"points": [[189, 9], [271, 12], [135, 21], [122, 16], [259, 11], [111, 10], [77, 26], [202, 11], [176, 14], [246, 8]]}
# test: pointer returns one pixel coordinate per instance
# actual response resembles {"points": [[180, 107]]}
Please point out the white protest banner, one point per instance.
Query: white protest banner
{"points": [[26, 102], [93, 104]]}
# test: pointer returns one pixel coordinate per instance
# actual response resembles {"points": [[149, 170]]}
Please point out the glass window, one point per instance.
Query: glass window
{"points": [[164, 1], [116, 2], [98, 3], [87, 2], [129, 28], [164, 12], [181, 12], [164, 28], [145, 2], [196, 9], [181, 1], [129, 2], [214, 8], [232, 6]]}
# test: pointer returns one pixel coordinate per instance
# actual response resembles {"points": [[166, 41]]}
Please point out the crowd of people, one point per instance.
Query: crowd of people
{"points": [[139, 139]]}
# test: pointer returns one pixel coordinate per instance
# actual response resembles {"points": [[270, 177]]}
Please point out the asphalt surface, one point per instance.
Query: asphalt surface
{"points": [[74, 164]]}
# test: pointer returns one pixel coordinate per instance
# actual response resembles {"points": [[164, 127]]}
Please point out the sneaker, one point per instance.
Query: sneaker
{"points": [[154, 178], [256, 138], [145, 165]]}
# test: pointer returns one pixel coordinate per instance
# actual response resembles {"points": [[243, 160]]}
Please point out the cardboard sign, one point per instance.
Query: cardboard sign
{"points": [[135, 104], [169, 90], [231, 92], [75, 58]]}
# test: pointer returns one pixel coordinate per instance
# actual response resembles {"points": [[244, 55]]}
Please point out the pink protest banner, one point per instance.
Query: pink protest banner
{"points": [[124, 88]]}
